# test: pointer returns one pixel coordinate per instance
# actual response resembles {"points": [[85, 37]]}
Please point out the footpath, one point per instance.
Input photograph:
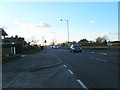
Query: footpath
{"points": [[40, 70]]}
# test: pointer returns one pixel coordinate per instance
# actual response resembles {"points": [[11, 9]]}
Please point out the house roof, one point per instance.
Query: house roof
{"points": [[1, 43], [16, 40], [3, 32]]}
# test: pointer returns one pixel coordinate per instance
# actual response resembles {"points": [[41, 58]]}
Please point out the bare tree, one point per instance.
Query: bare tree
{"points": [[102, 39], [32, 41], [52, 43], [99, 40]]}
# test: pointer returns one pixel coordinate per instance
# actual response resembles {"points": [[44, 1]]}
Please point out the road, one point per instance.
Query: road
{"points": [[94, 69], [39, 70], [90, 69]]}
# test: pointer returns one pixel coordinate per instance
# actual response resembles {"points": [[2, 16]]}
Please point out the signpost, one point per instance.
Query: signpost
{"points": [[45, 42]]}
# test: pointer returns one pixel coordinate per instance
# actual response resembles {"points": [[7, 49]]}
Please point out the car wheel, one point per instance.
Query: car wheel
{"points": [[81, 51]]}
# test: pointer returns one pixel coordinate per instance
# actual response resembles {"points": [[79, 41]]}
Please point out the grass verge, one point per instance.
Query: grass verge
{"points": [[109, 48]]}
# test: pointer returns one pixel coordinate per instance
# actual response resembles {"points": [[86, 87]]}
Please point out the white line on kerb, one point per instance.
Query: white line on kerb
{"points": [[65, 66], [83, 86], [70, 72]]}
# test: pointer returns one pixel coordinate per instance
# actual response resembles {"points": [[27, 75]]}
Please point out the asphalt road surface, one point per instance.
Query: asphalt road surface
{"points": [[40, 70], [90, 69], [95, 69]]}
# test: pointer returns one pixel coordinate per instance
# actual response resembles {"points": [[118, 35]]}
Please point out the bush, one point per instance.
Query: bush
{"points": [[31, 49]]}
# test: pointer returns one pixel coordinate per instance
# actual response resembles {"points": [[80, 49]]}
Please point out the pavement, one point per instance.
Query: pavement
{"points": [[39, 70]]}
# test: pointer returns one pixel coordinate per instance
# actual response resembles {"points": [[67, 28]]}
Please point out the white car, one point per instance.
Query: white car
{"points": [[51, 46], [55, 47]]}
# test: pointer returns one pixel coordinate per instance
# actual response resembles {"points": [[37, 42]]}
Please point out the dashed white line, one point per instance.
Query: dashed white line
{"points": [[78, 54], [65, 66], [81, 83], [55, 56], [92, 52], [103, 53], [98, 59], [101, 59], [70, 72]]}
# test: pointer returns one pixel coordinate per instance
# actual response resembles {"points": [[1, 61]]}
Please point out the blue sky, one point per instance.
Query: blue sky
{"points": [[36, 19]]}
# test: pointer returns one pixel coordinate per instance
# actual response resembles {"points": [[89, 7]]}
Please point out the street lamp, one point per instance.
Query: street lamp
{"points": [[43, 40], [67, 28], [54, 38]]}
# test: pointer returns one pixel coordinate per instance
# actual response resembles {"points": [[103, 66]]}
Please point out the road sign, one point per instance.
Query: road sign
{"points": [[45, 41]]}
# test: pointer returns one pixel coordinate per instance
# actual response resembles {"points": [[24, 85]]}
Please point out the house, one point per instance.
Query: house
{"points": [[83, 42], [6, 45], [3, 33], [19, 43], [17, 40]]}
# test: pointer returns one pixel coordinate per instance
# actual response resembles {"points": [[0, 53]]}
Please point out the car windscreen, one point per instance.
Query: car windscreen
{"points": [[76, 46]]}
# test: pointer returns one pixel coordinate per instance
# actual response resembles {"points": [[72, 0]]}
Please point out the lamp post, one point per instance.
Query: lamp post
{"points": [[43, 40], [67, 28], [54, 38]]}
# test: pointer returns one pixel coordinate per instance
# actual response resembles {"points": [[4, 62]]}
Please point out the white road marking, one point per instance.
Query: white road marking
{"points": [[23, 55], [101, 59], [70, 72], [81, 83], [40, 54], [78, 54], [103, 53], [92, 52], [44, 54], [15, 79], [65, 66], [98, 59]]}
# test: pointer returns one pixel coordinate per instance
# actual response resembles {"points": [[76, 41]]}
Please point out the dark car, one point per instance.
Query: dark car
{"points": [[42, 47], [75, 48]]}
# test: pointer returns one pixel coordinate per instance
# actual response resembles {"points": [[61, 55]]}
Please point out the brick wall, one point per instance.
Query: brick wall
{"points": [[6, 50]]}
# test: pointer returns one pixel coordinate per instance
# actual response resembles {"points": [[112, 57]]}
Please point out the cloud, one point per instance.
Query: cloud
{"points": [[110, 33], [3, 27], [105, 33], [92, 21], [115, 33], [41, 25], [22, 24]]}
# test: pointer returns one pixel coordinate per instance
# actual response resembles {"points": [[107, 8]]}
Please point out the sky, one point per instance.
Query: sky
{"points": [[35, 20]]}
